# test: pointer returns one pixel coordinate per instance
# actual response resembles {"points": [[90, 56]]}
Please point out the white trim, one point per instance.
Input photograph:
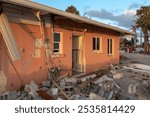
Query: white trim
{"points": [[60, 44], [100, 45], [110, 54]]}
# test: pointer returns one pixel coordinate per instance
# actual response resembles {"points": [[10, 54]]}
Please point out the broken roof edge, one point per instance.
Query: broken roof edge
{"points": [[38, 6]]}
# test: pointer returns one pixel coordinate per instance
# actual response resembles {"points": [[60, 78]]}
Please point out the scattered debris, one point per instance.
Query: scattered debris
{"points": [[142, 96], [54, 91], [93, 96], [109, 83], [132, 89], [118, 76]]}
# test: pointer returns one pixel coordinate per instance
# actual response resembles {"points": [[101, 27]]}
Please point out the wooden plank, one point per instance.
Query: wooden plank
{"points": [[9, 37], [26, 21], [61, 90]]}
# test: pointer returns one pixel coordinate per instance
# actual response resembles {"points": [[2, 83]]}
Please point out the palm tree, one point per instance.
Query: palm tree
{"points": [[143, 22]]}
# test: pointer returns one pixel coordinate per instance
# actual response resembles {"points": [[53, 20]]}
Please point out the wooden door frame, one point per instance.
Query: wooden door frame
{"points": [[81, 57]]}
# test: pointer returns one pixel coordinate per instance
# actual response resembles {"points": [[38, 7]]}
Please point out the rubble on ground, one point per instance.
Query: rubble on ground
{"points": [[127, 82]]}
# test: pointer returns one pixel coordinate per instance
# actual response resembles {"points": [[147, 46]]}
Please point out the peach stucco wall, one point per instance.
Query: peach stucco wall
{"points": [[30, 68], [96, 60]]}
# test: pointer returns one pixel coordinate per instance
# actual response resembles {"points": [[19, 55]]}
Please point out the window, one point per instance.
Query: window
{"points": [[109, 46], [96, 43], [57, 42]]}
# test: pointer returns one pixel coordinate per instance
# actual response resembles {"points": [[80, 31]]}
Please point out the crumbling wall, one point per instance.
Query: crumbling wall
{"points": [[35, 60]]}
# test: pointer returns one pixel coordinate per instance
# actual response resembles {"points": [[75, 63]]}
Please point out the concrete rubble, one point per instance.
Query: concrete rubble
{"points": [[110, 83]]}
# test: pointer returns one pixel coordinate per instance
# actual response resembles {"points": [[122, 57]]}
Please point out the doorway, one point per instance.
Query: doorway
{"points": [[77, 54], [1, 53]]}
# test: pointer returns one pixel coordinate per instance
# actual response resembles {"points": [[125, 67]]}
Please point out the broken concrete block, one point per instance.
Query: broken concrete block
{"points": [[88, 77], [27, 88], [46, 84], [34, 94], [132, 89], [97, 89], [113, 72], [110, 95], [78, 97], [140, 66], [93, 96], [33, 89], [33, 86], [141, 96], [118, 76], [9, 95], [54, 91], [108, 85], [71, 80], [62, 83], [28, 97], [13, 95], [102, 79], [83, 79]]}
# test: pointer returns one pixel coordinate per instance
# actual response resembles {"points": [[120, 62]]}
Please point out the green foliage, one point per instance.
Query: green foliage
{"points": [[143, 22], [143, 18], [126, 42], [72, 9]]}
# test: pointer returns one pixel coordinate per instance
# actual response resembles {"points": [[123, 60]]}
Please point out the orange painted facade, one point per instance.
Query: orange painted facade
{"points": [[31, 68]]}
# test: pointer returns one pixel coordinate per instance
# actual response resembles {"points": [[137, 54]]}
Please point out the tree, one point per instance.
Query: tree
{"points": [[143, 22], [72, 9], [134, 39], [125, 42]]}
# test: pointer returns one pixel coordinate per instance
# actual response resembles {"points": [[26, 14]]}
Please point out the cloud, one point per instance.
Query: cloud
{"points": [[86, 8], [134, 5], [126, 19]]}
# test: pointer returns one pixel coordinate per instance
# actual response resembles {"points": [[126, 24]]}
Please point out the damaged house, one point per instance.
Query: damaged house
{"points": [[35, 38]]}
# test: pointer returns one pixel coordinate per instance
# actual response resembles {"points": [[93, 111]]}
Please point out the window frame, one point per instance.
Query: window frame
{"points": [[97, 49], [59, 42], [110, 46]]}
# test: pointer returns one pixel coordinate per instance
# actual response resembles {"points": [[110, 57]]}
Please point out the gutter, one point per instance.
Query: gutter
{"points": [[37, 6]]}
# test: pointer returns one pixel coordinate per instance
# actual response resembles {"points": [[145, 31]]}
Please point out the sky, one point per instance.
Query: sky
{"points": [[114, 12]]}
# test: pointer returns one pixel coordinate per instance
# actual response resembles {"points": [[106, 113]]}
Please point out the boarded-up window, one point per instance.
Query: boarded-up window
{"points": [[109, 51], [57, 42], [96, 43]]}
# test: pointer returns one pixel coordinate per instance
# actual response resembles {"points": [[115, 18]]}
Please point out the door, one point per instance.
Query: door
{"points": [[1, 51], [77, 53]]}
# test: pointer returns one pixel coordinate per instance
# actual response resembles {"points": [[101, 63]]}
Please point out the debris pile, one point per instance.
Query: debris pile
{"points": [[130, 82]]}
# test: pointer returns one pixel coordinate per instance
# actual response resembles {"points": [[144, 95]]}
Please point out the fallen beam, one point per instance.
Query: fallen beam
{"points": [[8, 37], [60, 90]]}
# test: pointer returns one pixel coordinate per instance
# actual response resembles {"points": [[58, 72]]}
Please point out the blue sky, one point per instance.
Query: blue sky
{"points": [[115, 12]]}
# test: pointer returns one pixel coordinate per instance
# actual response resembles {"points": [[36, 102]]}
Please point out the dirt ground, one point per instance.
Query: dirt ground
{"points": [[136, 58], [140, 87]]}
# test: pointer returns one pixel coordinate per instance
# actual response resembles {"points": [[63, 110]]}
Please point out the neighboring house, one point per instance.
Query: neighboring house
{"points": [[34, 37]]}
